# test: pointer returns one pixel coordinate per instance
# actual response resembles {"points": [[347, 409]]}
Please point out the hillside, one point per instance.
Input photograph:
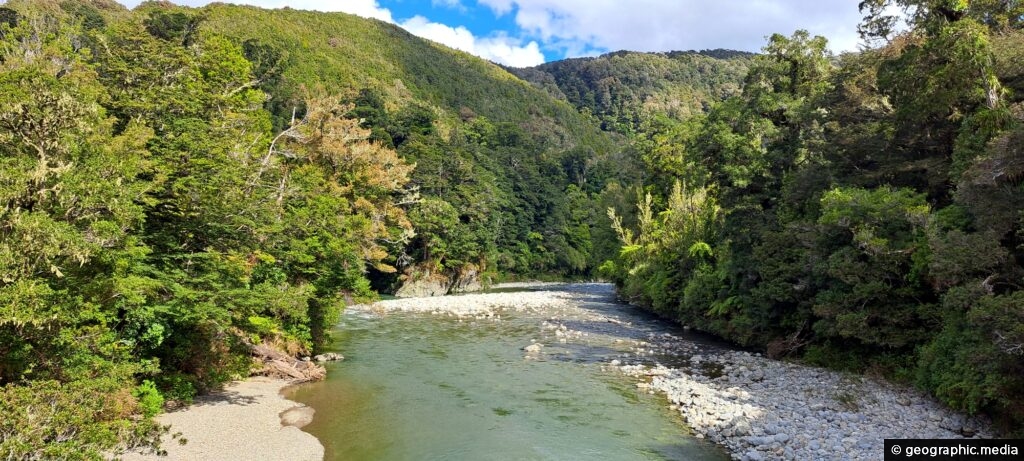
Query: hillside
{"points": [[624, 88], [494, 153], [343, 51], [501, 152]]}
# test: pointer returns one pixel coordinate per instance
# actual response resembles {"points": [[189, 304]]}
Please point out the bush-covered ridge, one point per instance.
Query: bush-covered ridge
{"points": [[345, 51], [624, 89], [496, 157]]}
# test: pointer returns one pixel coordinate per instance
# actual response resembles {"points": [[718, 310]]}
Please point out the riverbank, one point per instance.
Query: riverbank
{"points": [[474, 304], [766, 409], [754, 407], [246, 420]]}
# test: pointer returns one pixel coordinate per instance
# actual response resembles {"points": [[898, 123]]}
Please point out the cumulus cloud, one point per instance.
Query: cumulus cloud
{"points": [[660, 25], [499, 47], [575, 28], [454, 4]]}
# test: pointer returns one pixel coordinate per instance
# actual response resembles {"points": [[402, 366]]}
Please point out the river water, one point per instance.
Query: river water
{"points": [[418, 386]]}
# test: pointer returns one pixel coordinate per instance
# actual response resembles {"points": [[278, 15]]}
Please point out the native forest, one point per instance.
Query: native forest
{"points": [[181, 185]]}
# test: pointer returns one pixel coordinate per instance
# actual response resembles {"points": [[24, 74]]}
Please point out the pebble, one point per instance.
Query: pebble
{"points": [[794, 411]]}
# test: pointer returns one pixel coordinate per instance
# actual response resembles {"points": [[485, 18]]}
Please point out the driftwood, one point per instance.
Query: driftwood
{"points": [[276, 364]]}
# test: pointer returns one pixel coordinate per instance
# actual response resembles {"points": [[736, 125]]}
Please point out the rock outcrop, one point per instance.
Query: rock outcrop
{"points": [[425, 282]]}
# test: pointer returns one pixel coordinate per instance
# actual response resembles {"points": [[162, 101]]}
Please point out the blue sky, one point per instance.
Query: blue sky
{"points": [[528, 32]]}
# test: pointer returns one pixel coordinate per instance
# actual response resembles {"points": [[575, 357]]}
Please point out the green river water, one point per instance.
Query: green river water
{"points": [[422, 387]]}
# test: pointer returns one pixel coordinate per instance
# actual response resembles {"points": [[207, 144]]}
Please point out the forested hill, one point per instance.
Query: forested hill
{"points": [[625, 89], [495, 157], [344, 52]]}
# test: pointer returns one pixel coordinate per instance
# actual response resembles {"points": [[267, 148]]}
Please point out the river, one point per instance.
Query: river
{"points": [[424, 386]]}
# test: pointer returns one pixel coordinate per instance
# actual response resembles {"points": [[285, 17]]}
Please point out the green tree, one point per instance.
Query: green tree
{"points": [[65, 237]]}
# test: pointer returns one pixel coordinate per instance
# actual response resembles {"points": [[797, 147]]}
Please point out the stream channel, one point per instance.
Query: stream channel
{"points": [[424, 386]]}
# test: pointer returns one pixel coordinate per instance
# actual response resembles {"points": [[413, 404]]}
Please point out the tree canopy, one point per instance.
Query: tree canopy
{"points": [[860, 211]]}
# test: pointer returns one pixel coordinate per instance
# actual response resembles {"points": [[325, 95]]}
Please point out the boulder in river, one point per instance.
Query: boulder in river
{"points": [[297, 416], [328, 357], [533, 348]]}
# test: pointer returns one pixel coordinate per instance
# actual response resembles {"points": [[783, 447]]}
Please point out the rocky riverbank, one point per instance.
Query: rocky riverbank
{"points": [[755, 407], [767, 409], [470, 305]]}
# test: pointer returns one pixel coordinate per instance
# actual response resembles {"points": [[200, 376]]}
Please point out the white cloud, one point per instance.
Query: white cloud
{"points": [[364, 8], [499, 48], [454, 4], [501, 7], [455, 37], [508, 51], [661, 25], [582, 27]]}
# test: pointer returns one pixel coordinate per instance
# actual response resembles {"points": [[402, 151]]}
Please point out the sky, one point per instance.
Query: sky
{"points": [[523, 33]]}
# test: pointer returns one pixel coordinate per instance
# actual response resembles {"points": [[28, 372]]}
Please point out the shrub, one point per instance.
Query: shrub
{"points": [[150, 400], [79, 420], [178, 387]]}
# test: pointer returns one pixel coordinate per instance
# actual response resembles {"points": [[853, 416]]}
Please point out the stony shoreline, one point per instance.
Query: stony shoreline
{"points": [[766, 409], [246, 420], [474, 304], [754, 407]]}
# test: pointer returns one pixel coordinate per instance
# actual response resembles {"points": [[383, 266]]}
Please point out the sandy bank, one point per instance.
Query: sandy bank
{"points": [[244, 421]]}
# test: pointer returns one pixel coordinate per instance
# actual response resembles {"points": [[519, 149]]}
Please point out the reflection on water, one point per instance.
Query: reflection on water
{"points": [[417, 387]]}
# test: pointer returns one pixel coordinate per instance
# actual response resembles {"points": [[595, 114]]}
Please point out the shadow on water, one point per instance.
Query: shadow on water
{"points": [[417, 387]]}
